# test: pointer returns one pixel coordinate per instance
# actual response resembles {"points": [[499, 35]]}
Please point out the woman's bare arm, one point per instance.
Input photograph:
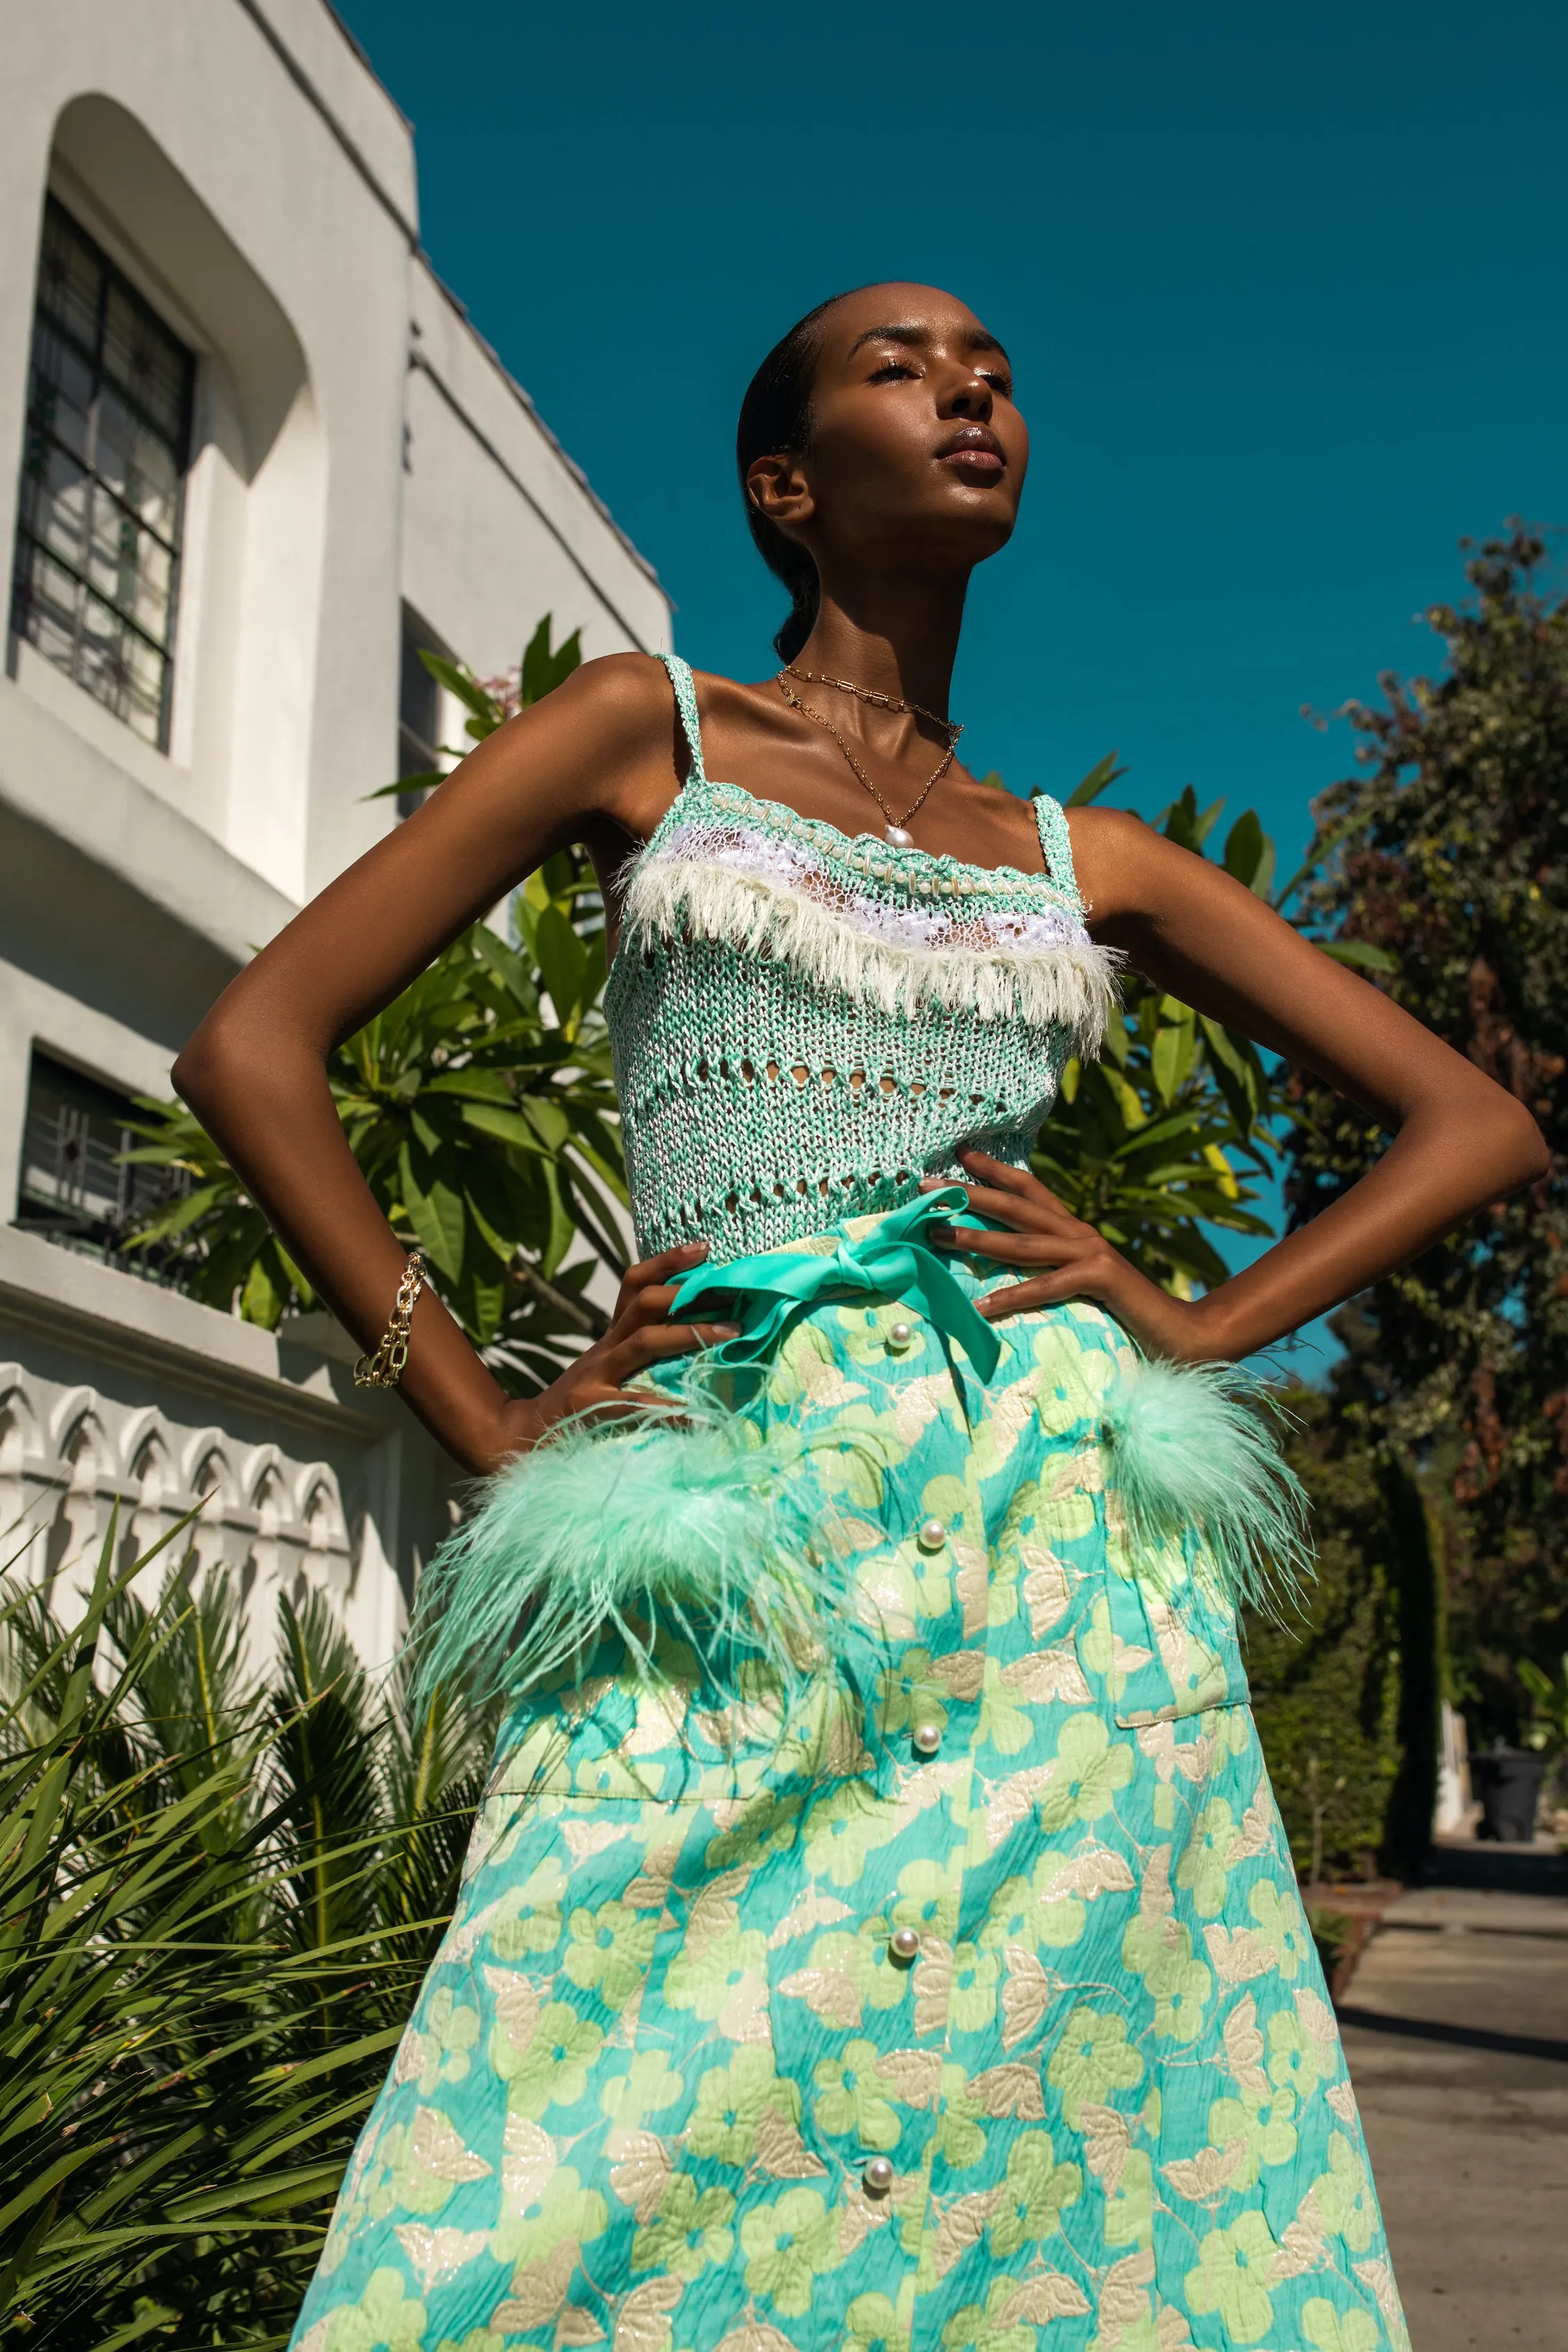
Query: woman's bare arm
{"points": [[595, 761], [1459, 1140]]}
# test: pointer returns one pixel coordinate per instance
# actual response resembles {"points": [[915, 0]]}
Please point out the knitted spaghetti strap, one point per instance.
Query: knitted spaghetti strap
{"points": [[1055, 845], [686, 704]]}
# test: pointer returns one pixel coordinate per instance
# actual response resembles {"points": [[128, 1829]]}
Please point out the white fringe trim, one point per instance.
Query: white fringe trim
{"points": [[1045, 968]]}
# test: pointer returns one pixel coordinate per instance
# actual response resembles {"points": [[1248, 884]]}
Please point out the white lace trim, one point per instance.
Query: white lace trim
{"points": [[764, 894]]}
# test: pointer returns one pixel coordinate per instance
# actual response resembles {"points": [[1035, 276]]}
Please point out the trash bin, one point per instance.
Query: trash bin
{"points": [[1509, 1780]]}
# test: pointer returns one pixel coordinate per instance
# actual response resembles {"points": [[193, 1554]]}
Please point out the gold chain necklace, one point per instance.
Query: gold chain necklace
{"points": [[897, 828], [870, 694]]}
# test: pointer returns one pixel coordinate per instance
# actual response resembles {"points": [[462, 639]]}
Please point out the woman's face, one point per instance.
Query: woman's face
{"points": [[918, 453]]}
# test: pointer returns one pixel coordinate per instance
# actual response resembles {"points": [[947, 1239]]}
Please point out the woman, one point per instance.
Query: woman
{"points": [[879, 1929]]}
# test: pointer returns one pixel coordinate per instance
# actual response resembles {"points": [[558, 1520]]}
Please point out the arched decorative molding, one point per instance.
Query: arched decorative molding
{"points": [[141, 1430], [75, 1412], [207, 1469], [22, 1447], [323, 1559], [150, 1482], [321, 1510], [210, 1483], [28, 1481], [86, 1475], [267, 1489]]}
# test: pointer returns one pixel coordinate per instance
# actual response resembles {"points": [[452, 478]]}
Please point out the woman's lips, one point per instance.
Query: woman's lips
{"points": [[974, 449], [975, 461]]}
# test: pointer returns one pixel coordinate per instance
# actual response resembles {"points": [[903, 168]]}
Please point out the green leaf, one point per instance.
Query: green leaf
{"points": [[1237, 1072], [472, 1082], [1250, 854], [487, 1301], [1185, 824], [549, 1121], [505, 1126], [436, 1216], [1100, 779], [1171, 1057], [564, 965], [427, 1137], [261, 1300], [426, 781], [464, 686], [1361, 953], [542, 671]]}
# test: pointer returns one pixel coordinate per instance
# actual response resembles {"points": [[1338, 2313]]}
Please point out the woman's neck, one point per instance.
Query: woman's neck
{"points": [[898, 637]]}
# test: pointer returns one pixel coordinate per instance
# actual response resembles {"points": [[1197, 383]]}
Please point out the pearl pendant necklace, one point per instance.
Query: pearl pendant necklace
{"points": [[897, 835]]}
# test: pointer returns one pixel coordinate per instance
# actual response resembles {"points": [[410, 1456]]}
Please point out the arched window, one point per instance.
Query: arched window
{"points": [[107, 441]]}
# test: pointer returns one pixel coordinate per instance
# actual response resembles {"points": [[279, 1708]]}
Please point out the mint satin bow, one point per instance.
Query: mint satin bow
{"points": [[767, 1293]]}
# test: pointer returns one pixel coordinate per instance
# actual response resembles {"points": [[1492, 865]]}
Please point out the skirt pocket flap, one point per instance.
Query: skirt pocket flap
{"points": [[1176, 1649]]}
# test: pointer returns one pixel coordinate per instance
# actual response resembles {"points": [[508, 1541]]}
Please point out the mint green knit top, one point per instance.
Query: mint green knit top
{"points": [[805, 1024]]}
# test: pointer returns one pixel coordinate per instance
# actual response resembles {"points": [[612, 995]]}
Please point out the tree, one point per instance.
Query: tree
{"points": [[1448, 851], [480, 1107]]}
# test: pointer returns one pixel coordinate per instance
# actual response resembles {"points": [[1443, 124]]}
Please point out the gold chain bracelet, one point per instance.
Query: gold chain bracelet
{"points": [[383, 1368]]}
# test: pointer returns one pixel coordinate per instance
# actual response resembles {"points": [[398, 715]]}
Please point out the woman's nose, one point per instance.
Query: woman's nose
{"points": [[970, 396]]}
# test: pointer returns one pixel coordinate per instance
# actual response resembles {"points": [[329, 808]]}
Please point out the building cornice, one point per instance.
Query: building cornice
{"points": [[117, 1319]]}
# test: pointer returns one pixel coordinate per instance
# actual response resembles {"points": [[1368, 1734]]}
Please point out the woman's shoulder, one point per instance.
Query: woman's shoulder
{"points": [[1127, 869], [621, 689]]}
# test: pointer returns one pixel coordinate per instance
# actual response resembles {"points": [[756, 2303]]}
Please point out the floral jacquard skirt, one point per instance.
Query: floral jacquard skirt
{"points": [[972, 2010]]}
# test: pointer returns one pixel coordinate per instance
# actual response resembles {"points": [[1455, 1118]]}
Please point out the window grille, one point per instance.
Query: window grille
{"points": [[75, 1187], [108, 441]]}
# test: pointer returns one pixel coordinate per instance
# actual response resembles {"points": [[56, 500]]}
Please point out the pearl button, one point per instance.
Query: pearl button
{"points": [[904, 1944], [900, 1334], [927, 1737], [932, 1535], [877, 2176]]}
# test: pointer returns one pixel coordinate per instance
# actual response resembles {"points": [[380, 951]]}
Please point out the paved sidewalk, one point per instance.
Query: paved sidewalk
{"points": [[1455, 2028]]}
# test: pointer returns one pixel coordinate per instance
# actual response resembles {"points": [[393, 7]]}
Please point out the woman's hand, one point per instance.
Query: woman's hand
{"points": [[640, 1335], [1081, 1263]]}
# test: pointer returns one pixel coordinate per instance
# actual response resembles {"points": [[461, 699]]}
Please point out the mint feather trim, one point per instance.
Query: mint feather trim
{"points": [[676, 1522], [1194, 1447]]}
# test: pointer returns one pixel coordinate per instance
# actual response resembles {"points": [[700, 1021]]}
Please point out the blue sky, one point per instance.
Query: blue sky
{"points": [[1283, 286]]}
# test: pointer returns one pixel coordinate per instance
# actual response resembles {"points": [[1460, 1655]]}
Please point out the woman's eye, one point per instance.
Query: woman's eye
{"points": [[1003, 384], [890, 368]]}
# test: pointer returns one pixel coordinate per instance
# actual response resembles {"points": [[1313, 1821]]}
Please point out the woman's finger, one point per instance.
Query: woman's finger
{"points": [[1043, 1290], [1012, 1209], [650, 1305], [1008, 1249], [657, 1340], [617, 1404], [1006, 1178], [667, 1266]]}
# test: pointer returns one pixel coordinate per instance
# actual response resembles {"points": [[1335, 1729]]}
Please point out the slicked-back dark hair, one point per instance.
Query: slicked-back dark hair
{"points": [[776, 418]]}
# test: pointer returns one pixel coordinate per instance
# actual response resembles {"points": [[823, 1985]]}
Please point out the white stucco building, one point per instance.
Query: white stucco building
{"points": [[251, 454]]}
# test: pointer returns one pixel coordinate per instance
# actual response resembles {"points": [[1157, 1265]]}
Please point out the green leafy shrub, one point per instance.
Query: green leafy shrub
{"points": [[480, 1105], [1327, 1682]]}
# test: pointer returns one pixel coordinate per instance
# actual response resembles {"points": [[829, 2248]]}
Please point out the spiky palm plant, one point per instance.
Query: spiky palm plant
{"points": [[216, 1896]]}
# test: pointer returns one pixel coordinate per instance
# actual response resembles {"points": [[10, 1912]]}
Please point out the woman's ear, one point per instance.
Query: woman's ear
{"points": [[779, 490]]}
